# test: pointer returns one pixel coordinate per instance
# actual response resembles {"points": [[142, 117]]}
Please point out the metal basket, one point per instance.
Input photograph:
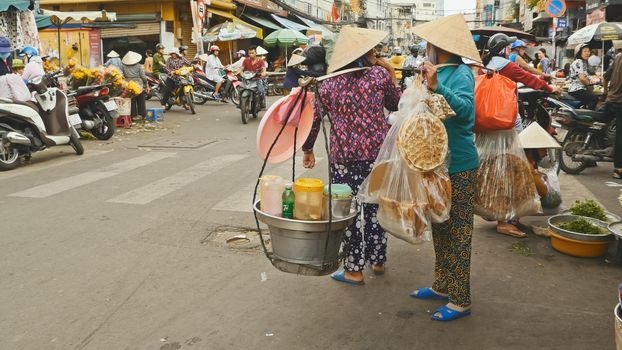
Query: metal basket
{"points": [[309, 248]]}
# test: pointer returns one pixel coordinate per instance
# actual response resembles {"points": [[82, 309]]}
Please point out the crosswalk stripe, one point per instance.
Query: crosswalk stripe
{"points": [[241, 200], [167, 185], [69, 183], [50, 163]]}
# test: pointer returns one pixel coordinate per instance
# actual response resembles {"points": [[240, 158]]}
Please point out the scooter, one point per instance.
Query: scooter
{"points": [[249, 96], [28, 127], [590, 138], [97, 111], [154, 88], [182, 93]]}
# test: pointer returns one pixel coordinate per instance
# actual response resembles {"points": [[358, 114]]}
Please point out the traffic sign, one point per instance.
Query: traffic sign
{"points": [[201, 9], [555, 8], [562, 22]]}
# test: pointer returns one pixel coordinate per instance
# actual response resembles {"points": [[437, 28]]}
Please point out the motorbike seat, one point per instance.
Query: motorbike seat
{"points": [[594, 115], [30, 104], [86, 89], [527, 93]]}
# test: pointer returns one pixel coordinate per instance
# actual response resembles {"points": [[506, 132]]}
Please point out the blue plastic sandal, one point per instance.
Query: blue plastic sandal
{"points": [[340, 276], [448, 314], [428, 294]]}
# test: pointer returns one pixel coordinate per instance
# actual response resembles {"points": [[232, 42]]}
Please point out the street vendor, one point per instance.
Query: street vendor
{"points": [[613, 91], [496, 61], [6, 60], [580, 78], [356, 102], [448, 41], [134, 71], [114, 60], [295, 72]]}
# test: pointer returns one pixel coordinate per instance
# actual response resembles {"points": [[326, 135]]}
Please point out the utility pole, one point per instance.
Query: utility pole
{"points": [[495, 6]]}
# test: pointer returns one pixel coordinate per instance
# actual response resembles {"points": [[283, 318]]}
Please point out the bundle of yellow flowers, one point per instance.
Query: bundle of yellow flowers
{"points": [[79, 77], [131, 89], [50, 67]]}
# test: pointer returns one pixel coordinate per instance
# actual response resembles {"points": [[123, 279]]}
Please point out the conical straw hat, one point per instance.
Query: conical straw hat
{"points": [[131, 58], [261, 51], [534, 136], [353, 43], [450, 34], [112, 54], [295, 60]]}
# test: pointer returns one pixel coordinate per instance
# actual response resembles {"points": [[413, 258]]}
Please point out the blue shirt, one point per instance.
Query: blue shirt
{"points": [[513, 57], [457, 85]]}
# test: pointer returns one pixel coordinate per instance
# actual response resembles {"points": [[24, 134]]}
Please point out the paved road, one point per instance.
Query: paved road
{"points": [[123, 248]]}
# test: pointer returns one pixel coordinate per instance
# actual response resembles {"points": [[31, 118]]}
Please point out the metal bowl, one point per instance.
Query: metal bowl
{"points": [[611, 217], [563, 218], [337, 224], [616, 229]]}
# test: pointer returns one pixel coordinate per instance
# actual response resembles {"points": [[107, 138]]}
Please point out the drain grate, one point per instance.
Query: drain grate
{"points": [[236, 238], [169, 143]]}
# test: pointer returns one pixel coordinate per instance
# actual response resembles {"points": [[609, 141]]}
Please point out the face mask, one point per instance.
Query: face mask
{"points": [[5, 55], [431, 53]]}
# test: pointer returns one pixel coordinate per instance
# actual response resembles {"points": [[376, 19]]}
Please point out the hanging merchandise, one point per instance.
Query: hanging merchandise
{"points": [[496, 102], [11, 27], [409, 180], [505, 182], [29, 29], [553, 198]]}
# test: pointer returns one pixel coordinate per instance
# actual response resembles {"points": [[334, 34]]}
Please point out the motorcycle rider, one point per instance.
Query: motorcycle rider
{"points": [[518, 52], [6, 60], [34, 67], [580, 78], [174, 62], [236, 67], [213, 67], [158, 61], [613, 90], [12, 86], [497, 62], [256, 65], [182, 51], [411, 59]]}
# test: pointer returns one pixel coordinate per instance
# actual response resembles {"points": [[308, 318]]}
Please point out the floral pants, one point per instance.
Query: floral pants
{"points": [[452, 242], [364, 240]]}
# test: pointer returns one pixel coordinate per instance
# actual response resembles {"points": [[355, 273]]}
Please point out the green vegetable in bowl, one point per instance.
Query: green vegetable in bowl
{"points": [[589, 208], [582, 226]]}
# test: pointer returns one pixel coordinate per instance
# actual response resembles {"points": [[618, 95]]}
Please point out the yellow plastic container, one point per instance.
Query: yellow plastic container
{"points": [[309, 201], [582, 249]]}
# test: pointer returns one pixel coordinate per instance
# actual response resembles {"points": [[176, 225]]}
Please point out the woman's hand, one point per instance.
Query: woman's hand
{"points": [[431, 75], [308, 160]]}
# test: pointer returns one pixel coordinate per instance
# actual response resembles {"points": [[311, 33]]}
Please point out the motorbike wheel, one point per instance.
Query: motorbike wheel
{"points": [[245, 107], [571, 146], [107, 127], [235, 96], [9, 159], [203, 91], [190, 101], [74, 141]]}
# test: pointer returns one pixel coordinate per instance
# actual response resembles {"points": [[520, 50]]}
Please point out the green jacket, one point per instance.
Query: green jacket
{"points": [[457, 85], [158, 63]]}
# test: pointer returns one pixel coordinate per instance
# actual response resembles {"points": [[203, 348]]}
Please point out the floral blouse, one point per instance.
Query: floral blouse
{"points": [[355, 102], [577, 68]]}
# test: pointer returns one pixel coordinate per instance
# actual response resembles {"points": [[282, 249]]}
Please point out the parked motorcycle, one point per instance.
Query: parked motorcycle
{"points": [[590, 138], [154, 88], [250, 103], [97, 111], [182, 94], [27, 127]]}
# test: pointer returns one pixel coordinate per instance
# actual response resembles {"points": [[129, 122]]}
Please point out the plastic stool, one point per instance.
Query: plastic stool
{"points": [[125, 121], [155, 114]]}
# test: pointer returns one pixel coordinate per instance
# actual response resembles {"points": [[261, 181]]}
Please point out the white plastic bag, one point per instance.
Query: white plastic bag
{"points": [[410, 200], [505, 183]]}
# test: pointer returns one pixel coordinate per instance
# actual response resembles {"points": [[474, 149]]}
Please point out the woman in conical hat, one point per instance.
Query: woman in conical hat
{"points": [[356, 101], [448, 41]]}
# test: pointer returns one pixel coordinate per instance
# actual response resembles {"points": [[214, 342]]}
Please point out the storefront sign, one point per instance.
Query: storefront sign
{"points": [[555, 8], [95, 48]]}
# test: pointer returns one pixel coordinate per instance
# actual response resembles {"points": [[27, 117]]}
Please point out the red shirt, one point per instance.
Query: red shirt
{"points": [[257, 67], [519, 75]]}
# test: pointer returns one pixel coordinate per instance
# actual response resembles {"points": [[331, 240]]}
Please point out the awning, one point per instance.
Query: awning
{"points": [[290, 24], [326, 33], [59, 18], [263, 22], [21, 5], [234, 19], [43, 21]]}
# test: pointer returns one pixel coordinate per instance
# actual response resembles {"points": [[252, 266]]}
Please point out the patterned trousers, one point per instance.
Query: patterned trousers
{"points": [[452, 242], [364, 241]]}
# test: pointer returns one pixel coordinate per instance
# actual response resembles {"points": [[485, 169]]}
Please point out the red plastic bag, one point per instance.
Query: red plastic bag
{"points": [[496, 103]]}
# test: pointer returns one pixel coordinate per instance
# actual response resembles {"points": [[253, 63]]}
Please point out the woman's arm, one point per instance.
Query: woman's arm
{"points": [[524, 65], [460, 95]]}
